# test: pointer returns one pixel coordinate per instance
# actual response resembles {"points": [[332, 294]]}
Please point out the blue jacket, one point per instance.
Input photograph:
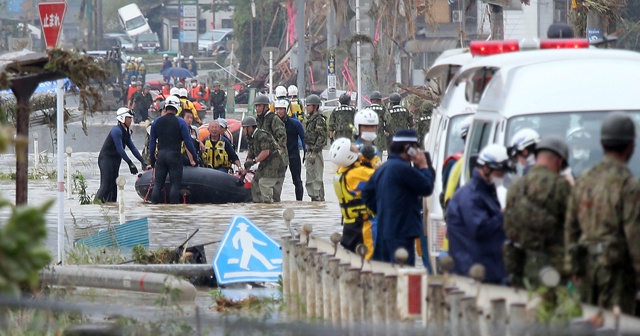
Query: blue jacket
{"points": [[394, 194], [475, 229], [294, 131]]}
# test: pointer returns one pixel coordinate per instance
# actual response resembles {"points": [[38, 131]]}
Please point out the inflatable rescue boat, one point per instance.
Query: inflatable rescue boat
{"points": [[201, 185]]}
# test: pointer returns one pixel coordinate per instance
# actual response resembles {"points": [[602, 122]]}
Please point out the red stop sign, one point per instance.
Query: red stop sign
{"points": [[51, 18]]}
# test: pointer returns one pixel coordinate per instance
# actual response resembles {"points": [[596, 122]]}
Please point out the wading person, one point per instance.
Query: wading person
{"points": [[295, 131], [315, 139], [112, 154], [263, 149]]}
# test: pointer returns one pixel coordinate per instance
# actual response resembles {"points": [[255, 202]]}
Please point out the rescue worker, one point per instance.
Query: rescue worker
{"points": [[186, 104], [534, 215], [366, 123], [382, 138], [452, 167], [166, 90], [134, 63], [142, 71], [602, 226], [393, 195], [112, 154], [218, 101], [269, 122], [170, 131], [196, 91], [353, 174], [132, 89], [130, 68], [142, 101], [295, 131], [424, 119], [193, 66], [187, 158], [341, 120], [166, 64], [175, 63], [280, 94], [271, 166], [399, 117], [295, 107], [183, 63], [522, 149], [219, 153], [475, 220], [145, 152], [315, 139]]}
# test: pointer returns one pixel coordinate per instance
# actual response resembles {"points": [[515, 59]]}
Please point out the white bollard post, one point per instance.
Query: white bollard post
{"points": [[69, 185], [120, 181], [36, 152]]}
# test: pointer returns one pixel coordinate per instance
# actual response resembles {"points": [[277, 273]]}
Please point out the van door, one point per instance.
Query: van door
{"points": [[479, 135]]}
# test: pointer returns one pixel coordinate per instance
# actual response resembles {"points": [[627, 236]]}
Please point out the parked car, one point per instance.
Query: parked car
{"points": [[214, 41], [125, 41], [146, 42]]}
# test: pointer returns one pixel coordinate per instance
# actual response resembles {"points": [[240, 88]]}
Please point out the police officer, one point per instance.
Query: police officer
{"points": [[534, 215], [341, 121], [183, 63], [112, 154], [193, 66], [171, 132], [602, 226], [295, 131], [357, 221], [271, 166], [475, 220], [382, 138], [399, 117], [315, 139], [142, 71], [218, 101], [424, 119], [522, 149]]}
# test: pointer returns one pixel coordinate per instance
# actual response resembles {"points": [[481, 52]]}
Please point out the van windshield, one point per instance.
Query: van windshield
{"points": [[136, 22], [580, 129]]}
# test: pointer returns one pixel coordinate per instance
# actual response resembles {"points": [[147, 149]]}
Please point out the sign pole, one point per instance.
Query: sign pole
{"points": [[271, 74]]}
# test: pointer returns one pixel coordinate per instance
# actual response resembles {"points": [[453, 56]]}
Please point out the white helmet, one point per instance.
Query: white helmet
{"points": [[181, 57], [280, 103], [365, 116], [292, 90], [281, 91], [183, 93], [341, 154], [139, 59], [191, 57], [174, 91], [465, 125], [495, 157], [128, 58], [523, 139], [172, 101], [165, 56], [123, 113], [175, 59]]}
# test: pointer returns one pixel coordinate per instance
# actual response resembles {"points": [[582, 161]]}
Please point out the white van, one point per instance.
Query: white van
{"points": [[132, 20], [561, 96]]}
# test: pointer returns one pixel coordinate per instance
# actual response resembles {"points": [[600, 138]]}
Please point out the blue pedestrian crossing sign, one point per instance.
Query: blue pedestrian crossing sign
{"points": [[247, 254]]}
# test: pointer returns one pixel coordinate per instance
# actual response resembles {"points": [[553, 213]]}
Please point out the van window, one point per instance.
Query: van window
{"points": [[454, 140], [136, 22], [480, 133], [580, 129]]}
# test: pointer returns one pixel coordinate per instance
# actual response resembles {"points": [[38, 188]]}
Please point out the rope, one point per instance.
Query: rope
{"points": [[153, 172]]}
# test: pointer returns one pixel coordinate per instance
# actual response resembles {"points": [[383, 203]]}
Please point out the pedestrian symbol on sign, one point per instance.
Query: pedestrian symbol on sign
{"points": [[247, 254]]}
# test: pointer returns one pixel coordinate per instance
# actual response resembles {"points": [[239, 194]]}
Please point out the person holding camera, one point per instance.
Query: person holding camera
{"points": [[394, 194]]}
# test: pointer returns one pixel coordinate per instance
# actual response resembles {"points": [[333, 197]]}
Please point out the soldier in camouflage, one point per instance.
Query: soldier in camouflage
{"points": [[267, 178], [535, 213], [270, 122], [399, 117], [315, 139], [382, 138], [602, 226], [341, 121], [424, 120]]}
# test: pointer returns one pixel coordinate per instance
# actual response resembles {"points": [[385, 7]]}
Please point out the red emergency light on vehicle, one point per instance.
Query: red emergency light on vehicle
{"points": [[486, 48], [564, 44]]}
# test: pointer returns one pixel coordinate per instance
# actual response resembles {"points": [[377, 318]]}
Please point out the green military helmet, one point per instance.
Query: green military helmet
{"points": [[395, 98], [557, 145], [249, 121], [376, 95], [427, 105], [147, 86], [312, 100], [618, 129], [216, 83], [261, 100]]}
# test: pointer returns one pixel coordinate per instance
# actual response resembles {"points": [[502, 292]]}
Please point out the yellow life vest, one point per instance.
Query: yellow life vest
{"points": [[351, 205], [188, 105], [295, 110], [215, 156], [454, 180]]}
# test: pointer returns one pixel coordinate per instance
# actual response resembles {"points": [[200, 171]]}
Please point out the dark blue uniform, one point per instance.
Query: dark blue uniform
{"points": [[475, 229], [294, 131], [109, 159], [394, 194], [170, 131]]}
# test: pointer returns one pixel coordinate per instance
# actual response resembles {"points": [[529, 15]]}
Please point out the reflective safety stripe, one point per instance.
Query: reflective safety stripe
{"points": [[351, 206], [398, 109], [215, 156]]}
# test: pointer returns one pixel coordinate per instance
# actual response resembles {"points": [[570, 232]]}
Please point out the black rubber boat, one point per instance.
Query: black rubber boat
{"points": [[201, 185]]}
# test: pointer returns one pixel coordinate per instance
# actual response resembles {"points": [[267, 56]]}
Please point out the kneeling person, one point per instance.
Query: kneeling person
{"points": [[219, 153], [263, 149]]}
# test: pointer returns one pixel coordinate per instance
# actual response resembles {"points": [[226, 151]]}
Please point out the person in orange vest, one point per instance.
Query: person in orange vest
{"points": [[132, 89], [207, 92], [196, 91], [166, 90]]}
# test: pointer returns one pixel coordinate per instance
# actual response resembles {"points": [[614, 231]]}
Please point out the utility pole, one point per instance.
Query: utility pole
{"points": [[300, 10], [331, 46]]}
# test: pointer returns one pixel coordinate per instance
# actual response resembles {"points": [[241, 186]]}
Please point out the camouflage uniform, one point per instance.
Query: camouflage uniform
{"points": [[382, 136], [341, 122], [424, 120], [267, 179], [602, 229], [399, 118], [534, 219], [271, 123], [315, 139]]}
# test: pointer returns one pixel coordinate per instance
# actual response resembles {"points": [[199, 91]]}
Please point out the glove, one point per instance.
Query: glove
{"points": [[369, 152], [312, 158], [133, 169]]}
